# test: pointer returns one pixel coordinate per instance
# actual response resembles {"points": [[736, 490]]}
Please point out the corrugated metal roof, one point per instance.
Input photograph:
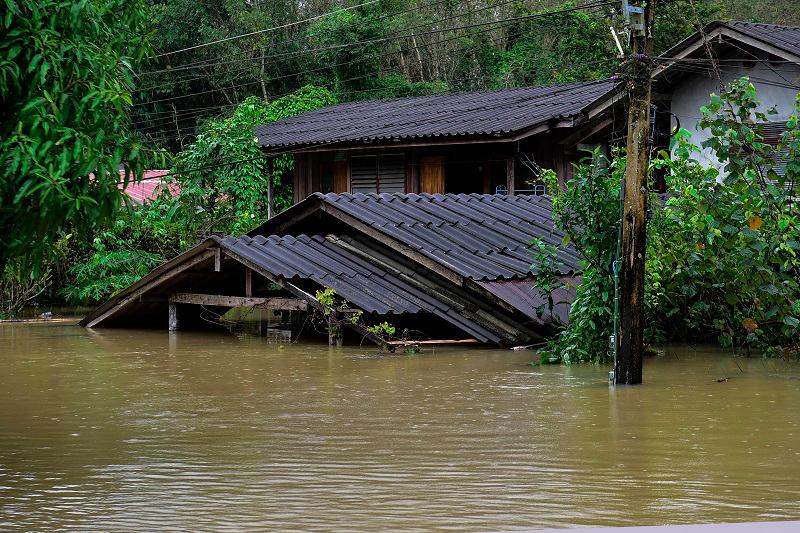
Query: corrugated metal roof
{"points": [[479, 236], [522, 295], [786, 38], [473, 114], [327, 262]]}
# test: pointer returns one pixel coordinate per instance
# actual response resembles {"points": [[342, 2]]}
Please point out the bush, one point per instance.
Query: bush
{"points": [[722, 251]]}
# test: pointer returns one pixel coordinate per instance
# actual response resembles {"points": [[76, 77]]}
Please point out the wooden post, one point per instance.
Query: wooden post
{"points": [[510, 175], [248, 282], [174, 324], [630, 344], [335, 337], [270, 201]]}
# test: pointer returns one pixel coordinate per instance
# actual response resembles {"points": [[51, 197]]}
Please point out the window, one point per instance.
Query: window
{"points": [[377, 173]]}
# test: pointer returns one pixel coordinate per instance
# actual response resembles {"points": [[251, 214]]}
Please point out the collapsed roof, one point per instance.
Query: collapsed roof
{"points": [[461, 259]]}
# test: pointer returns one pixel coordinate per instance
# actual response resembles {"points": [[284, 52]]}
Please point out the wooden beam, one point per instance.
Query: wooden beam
{"points": [[217, 259], [248, 282], [136, 294], [174, 323], [510, 175], [310, 299], [276, 304], [434, 342]]}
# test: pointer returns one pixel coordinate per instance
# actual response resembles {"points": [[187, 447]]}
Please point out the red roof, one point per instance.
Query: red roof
{"points": [[146, 189]]}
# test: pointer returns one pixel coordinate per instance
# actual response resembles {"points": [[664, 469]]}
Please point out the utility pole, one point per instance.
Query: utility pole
{"points": [[630, 341]]}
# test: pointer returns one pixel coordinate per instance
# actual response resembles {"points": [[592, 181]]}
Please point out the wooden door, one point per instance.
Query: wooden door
{"points": [[431, 174], [340, 178]]}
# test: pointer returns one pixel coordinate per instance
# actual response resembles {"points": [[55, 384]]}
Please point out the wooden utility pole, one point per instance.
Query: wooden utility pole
{"points": [[630, 341]]}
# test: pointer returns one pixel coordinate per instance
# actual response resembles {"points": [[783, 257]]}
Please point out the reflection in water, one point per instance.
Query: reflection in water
{"points": [[146, 430]]}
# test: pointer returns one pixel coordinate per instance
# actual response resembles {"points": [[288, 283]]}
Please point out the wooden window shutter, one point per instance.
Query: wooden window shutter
{"points": [[381, 174], [391, 173], [364, 174], [340, 176], [431, 174]]}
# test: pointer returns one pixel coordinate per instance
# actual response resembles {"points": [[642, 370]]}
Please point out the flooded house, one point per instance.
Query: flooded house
{"points": [[451, 266], [420, 211]]}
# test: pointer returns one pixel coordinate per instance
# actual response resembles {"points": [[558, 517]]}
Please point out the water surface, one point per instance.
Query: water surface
{"points": [[146, 430]]}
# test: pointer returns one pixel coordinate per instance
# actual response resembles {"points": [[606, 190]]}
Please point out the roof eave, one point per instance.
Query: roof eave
{"points": [[411, 142]]}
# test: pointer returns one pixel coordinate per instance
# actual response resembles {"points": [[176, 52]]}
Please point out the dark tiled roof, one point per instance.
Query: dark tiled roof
{"points": [[521, 294], [474, 114], [322, 260], [480, 236], [786, 38], [330, 262]]}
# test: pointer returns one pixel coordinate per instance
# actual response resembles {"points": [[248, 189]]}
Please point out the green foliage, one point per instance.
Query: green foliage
{"points": [[232, 197], [587, 210], [561, 48], [327, 298], [65, 89], [384, 329], [722, 254], [105, 273], [138, 241], [724, 259]]}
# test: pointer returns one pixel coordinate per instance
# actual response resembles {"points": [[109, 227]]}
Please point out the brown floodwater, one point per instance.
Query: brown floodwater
{"points": [[143, 430]]}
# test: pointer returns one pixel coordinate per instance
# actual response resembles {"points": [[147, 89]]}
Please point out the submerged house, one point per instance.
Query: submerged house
{"points": [[420, 211], [450, 266]]}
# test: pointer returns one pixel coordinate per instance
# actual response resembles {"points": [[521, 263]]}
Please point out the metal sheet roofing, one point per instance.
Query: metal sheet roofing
{"points": [[521, 294], [470, 114], [786, 38], [328, 262], [479, 236]]}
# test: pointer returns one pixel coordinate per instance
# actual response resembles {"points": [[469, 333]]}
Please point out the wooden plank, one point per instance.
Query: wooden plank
{"points": [[135, 295], [341, 181], [311, 300], [430, 342], [173, 317], [431, 174], [275, 304], [510, 175]]}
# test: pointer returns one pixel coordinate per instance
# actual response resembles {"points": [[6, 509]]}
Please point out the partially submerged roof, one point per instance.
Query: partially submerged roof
{"points": [[462, 259], [502, 115], [478, 236]]}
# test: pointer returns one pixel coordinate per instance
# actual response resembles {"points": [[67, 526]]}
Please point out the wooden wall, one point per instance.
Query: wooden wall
{"points": [[468, 168]]}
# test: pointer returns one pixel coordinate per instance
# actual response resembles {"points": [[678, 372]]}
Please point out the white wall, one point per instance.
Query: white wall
{"points": [[769, 79]]}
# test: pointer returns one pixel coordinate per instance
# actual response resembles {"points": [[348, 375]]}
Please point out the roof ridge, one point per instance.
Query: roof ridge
{"points": [[764, 24]]}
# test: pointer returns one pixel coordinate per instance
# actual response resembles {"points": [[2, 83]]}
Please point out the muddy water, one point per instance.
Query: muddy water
{"points": [[133, 430]]}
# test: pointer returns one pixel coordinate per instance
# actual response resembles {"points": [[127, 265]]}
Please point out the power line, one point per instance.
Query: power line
{"points": [[532, 16], [267, 30], [385, 39], [167, 121], [205, 62], [251, 59]]}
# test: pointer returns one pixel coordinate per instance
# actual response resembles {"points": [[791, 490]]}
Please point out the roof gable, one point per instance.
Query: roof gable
{"points": [[779, 40], [434, 118]]}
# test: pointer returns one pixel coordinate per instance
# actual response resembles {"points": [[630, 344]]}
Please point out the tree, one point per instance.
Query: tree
{"points": [[723, 252], [223, 176], [65, 83]]}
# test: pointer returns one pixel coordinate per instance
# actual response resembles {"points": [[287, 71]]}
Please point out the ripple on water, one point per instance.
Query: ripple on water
{"points": [[131, 431]]}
